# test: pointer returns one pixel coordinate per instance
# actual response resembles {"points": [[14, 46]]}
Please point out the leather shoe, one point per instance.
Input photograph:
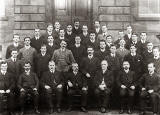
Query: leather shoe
{"points": [[121, 111], [83, 109], [51, 111], [103, 110], [129, 111], [59, 110]]}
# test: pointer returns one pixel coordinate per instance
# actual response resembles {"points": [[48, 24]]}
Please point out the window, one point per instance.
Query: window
{"points": [[2, 8], [149, 8]]}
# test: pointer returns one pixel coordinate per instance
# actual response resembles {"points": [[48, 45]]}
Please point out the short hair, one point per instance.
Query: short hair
{"points": [[27, 37], [104, 61], [76, 20], [51, 61], [43, 45], [113, 45], [27, 62], [90, 47], [156, 47], [126, 61], [102, 41], [49, 24], [109, 36], [16, 35], [92, 32], [151, 63], [14, 49], [77, 36], [144, 32], [3, 62]]}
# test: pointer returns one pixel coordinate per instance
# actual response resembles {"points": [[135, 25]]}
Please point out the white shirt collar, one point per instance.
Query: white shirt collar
{"points": [[3, 72], [102, 50], [61, 38], [15, 44], [90, 56], [77, 45], [27, 47], [113, 55], [156, 57], [126, 70], [43, 54], [133, 54], [13, 59], [50, 44]]}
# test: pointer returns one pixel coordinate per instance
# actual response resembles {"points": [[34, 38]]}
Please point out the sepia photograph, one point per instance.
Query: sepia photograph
{"points": [[79, 57]]}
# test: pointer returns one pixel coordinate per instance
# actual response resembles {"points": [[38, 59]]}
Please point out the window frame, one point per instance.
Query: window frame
{"points": [[4, 18]]}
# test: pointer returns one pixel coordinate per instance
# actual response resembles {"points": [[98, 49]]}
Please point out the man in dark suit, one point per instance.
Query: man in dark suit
{"points": [[128, 36], [52, 81], [41, 61], [6, 87], [150, 85], [103, 85], [78, 50], [14, 45], [109, 42], [37, 40], [70, 36], [76, 27], [134, 41], [103, 34], [89, 66], [77, 84], [102, 52], [97, 28], [49, 31], [84, 35], [56, 29], [28, 83], [126, 84]]}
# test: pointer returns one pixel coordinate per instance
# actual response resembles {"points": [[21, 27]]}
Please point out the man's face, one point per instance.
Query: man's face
{"points": [[129, 29], [104, 65], [50, 28], [75, 67], [113, 49], [50, 39], [133, 49], [77, 39], [27, 41], [43, 49], [14, 54], [134, 38], [90, 51], [16, 38], [76, 24], [57, 25], [37, 32], [156, 52], [61, 33], [122, 43], [27, 67], [104, 29], [97, 24], [51, 65], [150, 46], [126, 65], [102, 45], [109, 39], [151, 68], [4, 67], [85, 28], [143, 36], [92, 36], [63, 44], [69, 28]]}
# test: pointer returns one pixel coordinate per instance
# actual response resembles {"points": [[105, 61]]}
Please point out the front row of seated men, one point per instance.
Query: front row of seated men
{"points": [[53, 82]]}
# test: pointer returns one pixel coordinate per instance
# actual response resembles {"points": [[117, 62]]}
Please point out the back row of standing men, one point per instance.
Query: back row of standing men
{"points": [[88, 50]]}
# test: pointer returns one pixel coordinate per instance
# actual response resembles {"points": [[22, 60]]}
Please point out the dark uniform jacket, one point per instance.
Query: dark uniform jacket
{"points": [[77, 31], [28, 81], [127, 79], [52, 79], [107, 76], [70, 38], [101, 55]]}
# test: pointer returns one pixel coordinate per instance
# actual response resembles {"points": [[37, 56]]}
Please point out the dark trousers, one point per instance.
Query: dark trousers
{"points": [[7, 101], [153, 97], [29, 92], [83, 94], [127, 97], [49, 95], [102, 97]]}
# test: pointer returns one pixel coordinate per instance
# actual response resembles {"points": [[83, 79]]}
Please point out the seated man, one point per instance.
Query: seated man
{"points": [[103, 82], [126, 84], [6, 86], [28, 83], [150, 84], [76, 83], [52, 81]]}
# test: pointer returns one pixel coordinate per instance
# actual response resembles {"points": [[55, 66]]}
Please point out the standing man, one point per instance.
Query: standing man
{"points": [[85, 35], [52, 81], [97, 28], [103, 82], [28, 83], [57, 27], [104, 34], [76, 27], [126, 84], [150, 85], [77, 84], [14, 45], [63, 57]]}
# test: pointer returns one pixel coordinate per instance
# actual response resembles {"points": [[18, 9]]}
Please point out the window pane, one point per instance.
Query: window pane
{"points": [[143, 6], [2, 8], [153, 7], [61, 4]]}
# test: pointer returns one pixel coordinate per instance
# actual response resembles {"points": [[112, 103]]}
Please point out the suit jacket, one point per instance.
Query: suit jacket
{"points": [[95, 45], [63, 59], [28, 81], [122, 53], [52, 79], [90, 66], [77, 80], [101, 37], [10, 48], [101, 55], [51, 49], [37, 43], [141, 47], [107, 76], [150, 82], [70, 38], [157, 64], [128, 41], [14, 68], [77, 31], [113, 62], [127, 79], [55, 34], [6, 81], [84, 39]]}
